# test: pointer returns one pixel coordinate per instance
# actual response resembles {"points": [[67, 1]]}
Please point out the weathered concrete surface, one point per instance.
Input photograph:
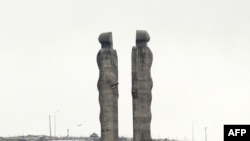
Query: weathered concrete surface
{"points": [[108, 88], [142, 84]]}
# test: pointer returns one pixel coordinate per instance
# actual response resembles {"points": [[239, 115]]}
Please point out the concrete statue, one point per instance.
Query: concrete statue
{"points": [[108, 88], [142, 84]]}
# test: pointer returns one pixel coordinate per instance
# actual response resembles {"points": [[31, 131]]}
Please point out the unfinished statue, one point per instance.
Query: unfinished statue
{"points": [[142, 84], [108, 88]]}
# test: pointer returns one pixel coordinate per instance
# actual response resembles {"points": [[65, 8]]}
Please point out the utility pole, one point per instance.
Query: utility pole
{"points": [[49, 126], [205, 133], [193, 130], [55, 124], [67, 132]]}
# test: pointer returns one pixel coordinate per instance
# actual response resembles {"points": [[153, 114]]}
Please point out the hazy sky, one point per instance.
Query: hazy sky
{"points": [[201, 66]]}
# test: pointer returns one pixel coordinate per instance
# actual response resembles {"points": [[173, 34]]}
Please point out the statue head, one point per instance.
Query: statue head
{"points": [[142, 38], [106, 40]]}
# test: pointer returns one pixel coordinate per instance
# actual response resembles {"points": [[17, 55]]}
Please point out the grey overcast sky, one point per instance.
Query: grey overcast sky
{"points": [[201, 66]]}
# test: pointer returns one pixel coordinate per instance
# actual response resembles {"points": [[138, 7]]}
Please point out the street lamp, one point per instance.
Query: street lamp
{"points": [[73, 127], [193, 130], [79, 126]]}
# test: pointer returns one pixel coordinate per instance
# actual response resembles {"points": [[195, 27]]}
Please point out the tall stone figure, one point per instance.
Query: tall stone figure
{"points": [[108, 88], [142, 84]]}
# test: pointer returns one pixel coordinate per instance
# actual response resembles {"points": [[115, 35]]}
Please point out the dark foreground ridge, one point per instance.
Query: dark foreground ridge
{"points": [[48, 138]]}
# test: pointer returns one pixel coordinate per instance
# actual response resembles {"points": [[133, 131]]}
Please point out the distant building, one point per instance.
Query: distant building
{"points": [[94, 137], [125, 139]]}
